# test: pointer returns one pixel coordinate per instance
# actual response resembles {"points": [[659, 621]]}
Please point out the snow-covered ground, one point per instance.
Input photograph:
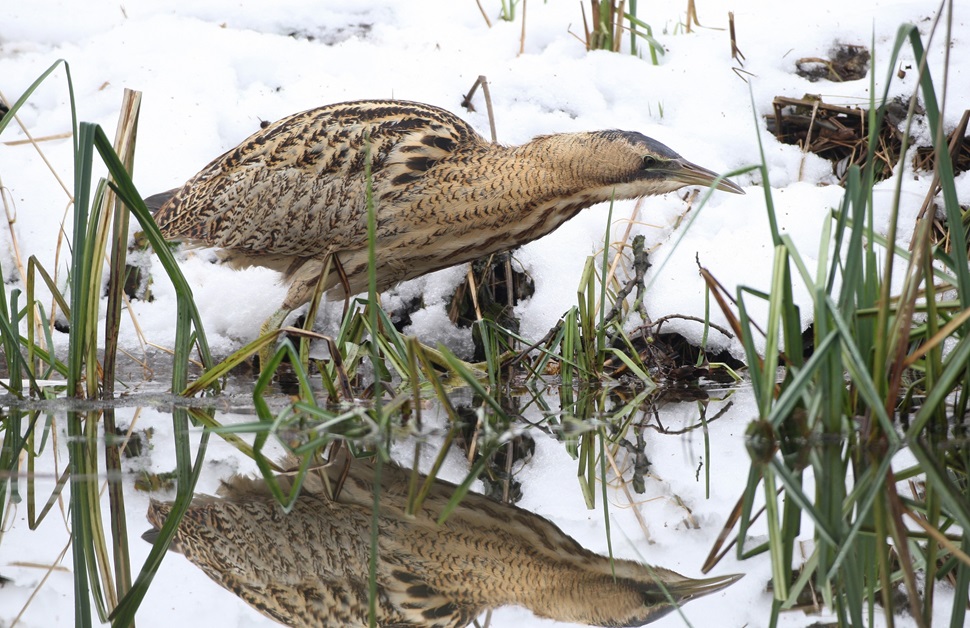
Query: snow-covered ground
{"points": [[210, 71]]}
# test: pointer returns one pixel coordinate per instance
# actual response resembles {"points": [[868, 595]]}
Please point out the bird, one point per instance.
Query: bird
{"points": [[310, 566], [295, 193]]}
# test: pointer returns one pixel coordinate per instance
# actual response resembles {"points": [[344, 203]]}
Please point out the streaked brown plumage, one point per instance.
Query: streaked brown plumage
{"points": [[294, 192], [310, 567]]}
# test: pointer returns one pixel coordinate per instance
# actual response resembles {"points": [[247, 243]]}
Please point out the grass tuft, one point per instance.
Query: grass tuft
{"points": [[829, 428]]}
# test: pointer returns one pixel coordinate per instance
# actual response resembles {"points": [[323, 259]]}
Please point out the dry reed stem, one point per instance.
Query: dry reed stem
{"points": [[171, 352], [33, 142], [618, 27], [43, 138], [619, 246], [938, 536], [808, 134], [736, 53], [488, 22], [482, 82], [629, 497], [139, 334], [11, 213], [957, 138], [55, 566], [691, 15], [473, 291], [124, 146]]}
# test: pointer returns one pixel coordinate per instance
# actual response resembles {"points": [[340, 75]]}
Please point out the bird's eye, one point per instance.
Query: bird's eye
{"points": [[649, 162]]}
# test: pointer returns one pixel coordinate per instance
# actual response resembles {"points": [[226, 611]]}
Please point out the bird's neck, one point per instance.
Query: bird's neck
{"points": [[570, 163], [535, 565], [581, 591], [532, 189]]}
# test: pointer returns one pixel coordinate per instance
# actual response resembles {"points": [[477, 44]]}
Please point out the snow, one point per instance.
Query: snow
{"points": [[211, 71]]}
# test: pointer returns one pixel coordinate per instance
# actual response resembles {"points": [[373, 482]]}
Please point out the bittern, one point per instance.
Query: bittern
{"points": [[294, 193], [310, 567]]}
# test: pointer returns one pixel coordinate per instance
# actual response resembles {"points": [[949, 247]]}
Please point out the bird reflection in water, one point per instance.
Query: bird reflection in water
{"points": [[310, 567]]}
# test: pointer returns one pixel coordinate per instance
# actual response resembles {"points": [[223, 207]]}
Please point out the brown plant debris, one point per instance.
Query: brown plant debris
{"points": [[959, 150], [847, 63], [495, 286], [670, 358], [840, 134], [832, 132], [959, 144]]}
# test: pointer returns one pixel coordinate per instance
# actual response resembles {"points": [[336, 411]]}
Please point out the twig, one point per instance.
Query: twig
{"points": [[467, 103], [629, 497], [641, 263], [488, 22], [33, 142], [956, 143], [736, 53], [44, 138], [632, 220], [663, 319], [521, 354], [690, 428]]}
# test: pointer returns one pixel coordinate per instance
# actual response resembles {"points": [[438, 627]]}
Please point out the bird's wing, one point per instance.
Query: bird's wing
{"points": [[413, 602], [298, 186]]}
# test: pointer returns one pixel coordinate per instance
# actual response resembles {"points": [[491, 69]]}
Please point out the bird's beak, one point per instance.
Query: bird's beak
{"points": [[692, 174], [691, 589]]}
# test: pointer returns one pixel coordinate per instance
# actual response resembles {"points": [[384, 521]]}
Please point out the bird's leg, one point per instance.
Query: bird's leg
{"points": [[309, 279], [311, 314], [345, 282], [271, 326]]}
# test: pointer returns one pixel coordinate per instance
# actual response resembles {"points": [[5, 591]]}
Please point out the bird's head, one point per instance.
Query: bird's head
{"points": [[664, 595], [596, 591], [637, 165]]}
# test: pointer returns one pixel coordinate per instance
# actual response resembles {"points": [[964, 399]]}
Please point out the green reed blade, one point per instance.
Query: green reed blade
{"points": [[17, 364], [79, 531], [9, 116], [187, 313], [84, 161], [470, 378], [187, 477]]}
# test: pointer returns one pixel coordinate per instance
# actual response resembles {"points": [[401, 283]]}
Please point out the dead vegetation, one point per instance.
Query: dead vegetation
{"points": [[840, 134], [846, 63]]}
